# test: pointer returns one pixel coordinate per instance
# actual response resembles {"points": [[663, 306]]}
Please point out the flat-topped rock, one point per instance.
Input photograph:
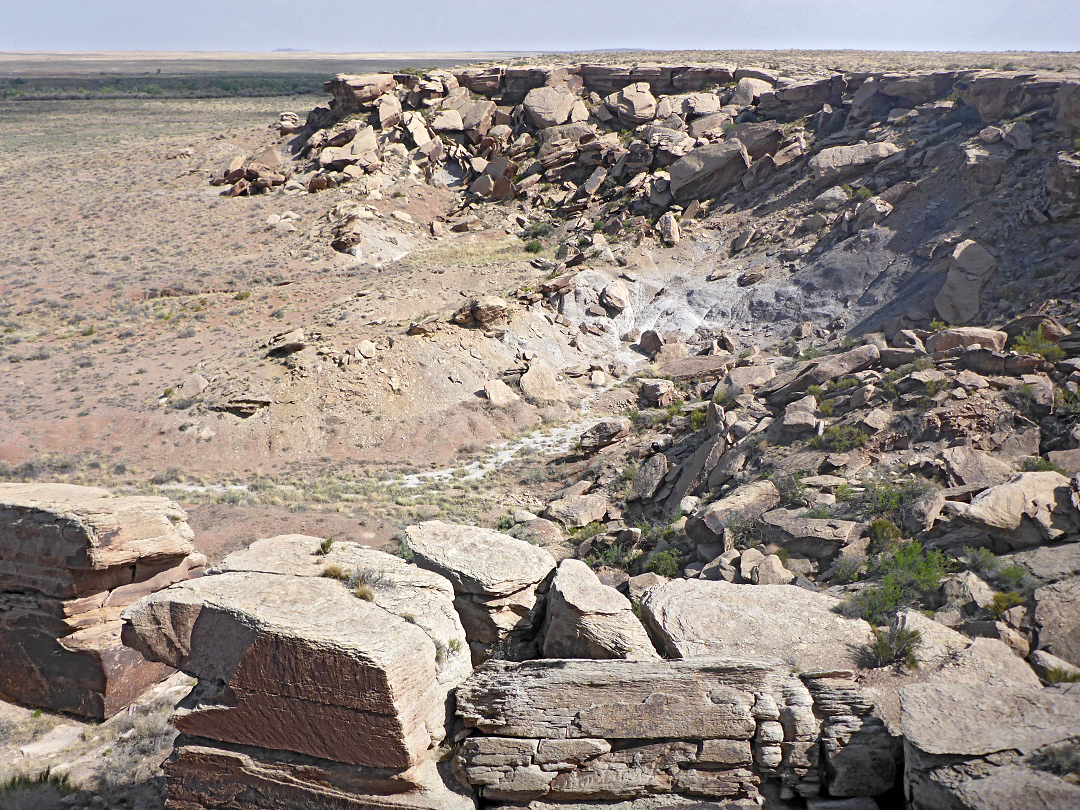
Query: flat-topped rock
{"points": [[297, 664], [70, 541], [695, 618], [478, 561], [641, 700]]}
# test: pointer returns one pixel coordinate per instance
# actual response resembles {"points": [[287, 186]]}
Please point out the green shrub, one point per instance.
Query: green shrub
{"points": [[894, 500], [588, 531], [1036, 343], [883, 534], [533, 246], [1061, 760], [667, 563], [846, 570], [697, 420], [983, 563], [812, 353], [827, 407], [243, 295], [863, 193], [725, 398], [616, 556], [45, 790], [894, 645], [1040, 464], [841, 438], [907, 576], [1062, 675], [817, 513], [1003, 602], [404, 551], [325, 546]]}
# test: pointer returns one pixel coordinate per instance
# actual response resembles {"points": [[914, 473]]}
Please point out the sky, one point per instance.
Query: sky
{"points": [[351, 26]]}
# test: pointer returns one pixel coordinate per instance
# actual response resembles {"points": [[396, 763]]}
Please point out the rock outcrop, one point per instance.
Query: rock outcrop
{"points": [[71, 558], [312, 691], [986, 747], [587, 619], [499, 584]]}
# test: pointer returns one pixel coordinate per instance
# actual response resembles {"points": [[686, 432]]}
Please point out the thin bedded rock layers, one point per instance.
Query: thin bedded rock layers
{"points": [[313, 692], [604, 730], [71, 558]]}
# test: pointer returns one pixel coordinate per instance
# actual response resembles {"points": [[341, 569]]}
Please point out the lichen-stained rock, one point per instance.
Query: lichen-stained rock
{"points": [[587, 619], [231, 777], [791, 385], [297, 664], [476, 560], [694, 618], [968, 747], [70, 541], [1033, 509]]}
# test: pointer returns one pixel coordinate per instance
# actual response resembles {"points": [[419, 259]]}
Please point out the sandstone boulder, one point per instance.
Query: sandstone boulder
{"points": [[693, 618], [1057, 619], [71, 558], [969, 271], [539, 384], [968, 746], [746, 503], [965, 336], [549, 106], [838, 162], [634, 104], [1032, 509], [587, 619], [708, 171]]}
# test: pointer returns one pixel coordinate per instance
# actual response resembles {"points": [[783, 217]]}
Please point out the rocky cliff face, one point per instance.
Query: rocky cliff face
{"points": [[71, 558]]}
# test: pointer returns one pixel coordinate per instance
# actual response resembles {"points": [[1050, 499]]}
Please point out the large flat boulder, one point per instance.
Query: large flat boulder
{"points": [[708, 171], [69, 541], [549, 106], [1031, 509], [968, 746], [476, 560], [694, 618], [837, 162], [587, 619], [297, 664], [746, 503]]}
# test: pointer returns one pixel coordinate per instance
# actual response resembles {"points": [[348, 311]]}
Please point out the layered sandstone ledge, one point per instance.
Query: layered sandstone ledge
{"points": [[71, 558]]}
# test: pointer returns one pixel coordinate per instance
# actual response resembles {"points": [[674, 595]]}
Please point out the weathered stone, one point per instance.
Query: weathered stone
{"points": [[576, 511], [694, 618], [812, 538], [549, 106], [1063, 185], [539, 384], [500, 394], [589, 620], [747, 503], [771, 571], [69, 541], [649, 477], [478, 561], [634, 104], [359, 92], [970, 746], [604, 433], [792, 385], [1057, 619], [1030, 510], [253, 640], [614, 700], [708, 171], [837, 162], [966, 336], [967, 466], [969, 271]]}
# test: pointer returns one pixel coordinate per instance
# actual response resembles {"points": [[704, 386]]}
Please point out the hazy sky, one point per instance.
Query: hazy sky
{"points": [[539, 25]]}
